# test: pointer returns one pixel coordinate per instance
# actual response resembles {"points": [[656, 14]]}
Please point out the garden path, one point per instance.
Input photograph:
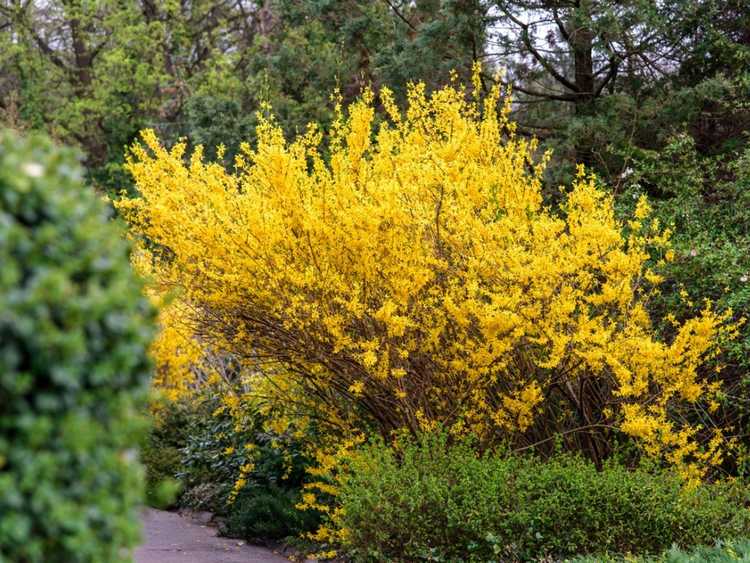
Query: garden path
{"points": [[171, 538]]}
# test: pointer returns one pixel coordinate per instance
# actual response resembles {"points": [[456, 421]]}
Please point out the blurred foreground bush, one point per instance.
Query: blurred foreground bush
{"points": [[430, 501], [74, 329]]}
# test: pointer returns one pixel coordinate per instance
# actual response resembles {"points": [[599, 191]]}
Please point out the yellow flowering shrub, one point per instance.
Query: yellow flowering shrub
{"points": [[406, 274], [176, 353]]}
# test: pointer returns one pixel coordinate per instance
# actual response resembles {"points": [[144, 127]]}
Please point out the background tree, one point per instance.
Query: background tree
{"points": [[93, 74]]}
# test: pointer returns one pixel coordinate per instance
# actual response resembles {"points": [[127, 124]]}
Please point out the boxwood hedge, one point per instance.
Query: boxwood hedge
{"points": [[74, 328], [430, 500]]}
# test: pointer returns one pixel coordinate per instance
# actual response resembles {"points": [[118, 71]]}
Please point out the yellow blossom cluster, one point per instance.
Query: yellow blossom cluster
{"points": [[401, 273], [175, 351]]}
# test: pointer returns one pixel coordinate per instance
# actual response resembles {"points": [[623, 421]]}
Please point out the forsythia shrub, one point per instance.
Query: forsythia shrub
{"points": [[74, 332], [407, 274], [427, 500]]}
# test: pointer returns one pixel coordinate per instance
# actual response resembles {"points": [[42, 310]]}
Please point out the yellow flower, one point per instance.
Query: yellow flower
{"points": [[357, 387]]}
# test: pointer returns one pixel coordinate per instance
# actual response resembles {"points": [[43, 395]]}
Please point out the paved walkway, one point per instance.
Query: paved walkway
{"points": [[173, 539]]}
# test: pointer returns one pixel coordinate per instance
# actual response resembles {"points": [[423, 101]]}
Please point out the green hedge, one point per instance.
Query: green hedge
{"points": [[732, 551], [431, 501], [74, 330]]}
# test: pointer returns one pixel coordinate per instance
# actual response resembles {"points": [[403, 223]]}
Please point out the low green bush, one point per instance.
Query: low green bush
{"points": [[200, 444], [161, 452], [721, 552], [74, 330], [269, 513], [431, 501]]}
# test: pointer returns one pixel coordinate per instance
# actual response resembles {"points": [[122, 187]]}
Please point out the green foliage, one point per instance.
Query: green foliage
{"points": [[268, 512], [430, 500], [216, 450], [212, 121], [201, 69], [721, 552], [205, 448], [706, 202], [74, 328], [162, 456]]}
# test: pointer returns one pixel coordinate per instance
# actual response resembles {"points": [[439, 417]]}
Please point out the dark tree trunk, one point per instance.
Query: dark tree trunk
{"points": [[83, 57], [582, 44]]}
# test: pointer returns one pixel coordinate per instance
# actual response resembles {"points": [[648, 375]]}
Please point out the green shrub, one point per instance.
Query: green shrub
{"points": [[183, 454], [162, 455], [431, 501], [174, 475], [269, 513], [721, 552], [705, 199], [74, 329], [161, 466], [205, 447], [217, 446]]}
